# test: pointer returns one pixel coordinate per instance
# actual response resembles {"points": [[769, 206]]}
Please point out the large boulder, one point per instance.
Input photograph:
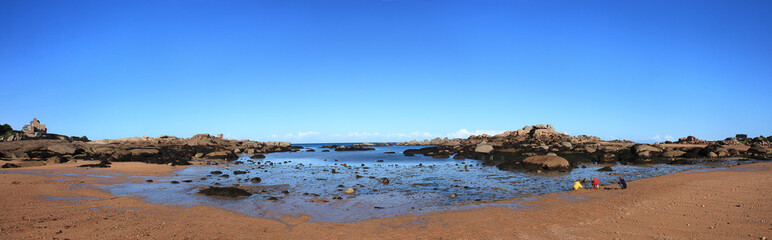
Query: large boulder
{"points": [[483, 148], [673, 153], [645, 148], [225, 154], [547, 162], [144, 152], [202, 139], [64, 149]]}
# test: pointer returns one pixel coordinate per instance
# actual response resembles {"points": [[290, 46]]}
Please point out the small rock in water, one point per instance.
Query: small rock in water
{"points": [[605, 169], [187, 181], [452, 195], [239, 172], [385, 181], [216, 172], [224, 191], [273, 199], [379, 160], [174, 182], [255, 180], [337, 198], [349, 191], [149, 180]]}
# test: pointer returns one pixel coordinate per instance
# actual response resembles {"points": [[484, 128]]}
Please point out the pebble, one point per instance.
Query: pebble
{"points": [[452, 195], [349, 191]]}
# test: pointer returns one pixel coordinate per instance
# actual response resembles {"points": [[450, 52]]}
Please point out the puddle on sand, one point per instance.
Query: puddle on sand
{"points": [[111, 209], [706, 170], [68, 197], [308, 183]]}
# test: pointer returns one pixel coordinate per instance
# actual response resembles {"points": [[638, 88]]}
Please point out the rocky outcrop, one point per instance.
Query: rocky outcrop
{"points": [[691, 140], [160, 150]]}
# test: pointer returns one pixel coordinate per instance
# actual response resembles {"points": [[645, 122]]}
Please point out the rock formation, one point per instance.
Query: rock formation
{"points": [[161, 150]]}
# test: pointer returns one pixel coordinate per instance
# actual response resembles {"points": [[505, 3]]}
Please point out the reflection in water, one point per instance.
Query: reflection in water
{"points": [[313, 183]]}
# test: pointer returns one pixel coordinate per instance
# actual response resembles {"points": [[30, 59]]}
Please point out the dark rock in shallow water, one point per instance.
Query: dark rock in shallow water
{"points": [[255, 180], [389, 152], [174, 182], [325, 150], [257, 156], [224, 192], [605, 169], [149, 180], [215, 172], [225, 175], [237, 172]]}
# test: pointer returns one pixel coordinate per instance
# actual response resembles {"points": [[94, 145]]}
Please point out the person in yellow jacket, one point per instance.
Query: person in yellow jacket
{"points": [[577, 185]]}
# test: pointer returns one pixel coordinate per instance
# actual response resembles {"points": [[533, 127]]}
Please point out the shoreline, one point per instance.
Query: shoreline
{"points": [[38, 206]]}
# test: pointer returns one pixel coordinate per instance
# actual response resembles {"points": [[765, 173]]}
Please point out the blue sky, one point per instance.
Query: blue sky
{"points": [[332, 71]]}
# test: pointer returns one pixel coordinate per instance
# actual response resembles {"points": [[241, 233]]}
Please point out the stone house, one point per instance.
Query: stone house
{"points": [[34, 127]]}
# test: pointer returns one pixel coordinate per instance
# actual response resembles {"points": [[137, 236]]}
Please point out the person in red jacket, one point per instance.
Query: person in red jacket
{"points": [[595, 182]]}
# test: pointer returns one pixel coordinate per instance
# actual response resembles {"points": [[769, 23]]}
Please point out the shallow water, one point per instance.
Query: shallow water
{"points": [[416, 184]]}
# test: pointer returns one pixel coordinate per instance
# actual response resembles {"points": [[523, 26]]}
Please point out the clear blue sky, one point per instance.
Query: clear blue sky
{"points": [[318, 71]]}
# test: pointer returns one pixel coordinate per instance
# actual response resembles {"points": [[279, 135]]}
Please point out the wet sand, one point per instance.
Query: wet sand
{"points": [[731, 203]]}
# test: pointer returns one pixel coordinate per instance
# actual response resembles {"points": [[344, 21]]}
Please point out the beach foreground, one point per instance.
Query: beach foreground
{"points": [[731, 203]]}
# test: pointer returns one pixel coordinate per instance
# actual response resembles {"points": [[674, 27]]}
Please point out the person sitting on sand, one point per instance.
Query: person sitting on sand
{"points": [[577, 185], [622, 183], [595, 182]]}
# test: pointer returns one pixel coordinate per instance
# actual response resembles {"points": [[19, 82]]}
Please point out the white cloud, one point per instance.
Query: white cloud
{"points": [[309, 133], [659, 139], [463, 133]]}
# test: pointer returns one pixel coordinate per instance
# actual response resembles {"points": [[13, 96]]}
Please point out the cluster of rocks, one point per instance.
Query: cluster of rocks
{"points": [[354, 147], [691, 140], [159, 150], [543, 148]]}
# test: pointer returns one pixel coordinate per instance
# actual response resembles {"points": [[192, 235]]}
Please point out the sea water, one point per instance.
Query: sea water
{"points": [[293, 183]]}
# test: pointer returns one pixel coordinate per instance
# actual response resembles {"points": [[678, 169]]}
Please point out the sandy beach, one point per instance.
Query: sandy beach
{"points": [[46, 202]]}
